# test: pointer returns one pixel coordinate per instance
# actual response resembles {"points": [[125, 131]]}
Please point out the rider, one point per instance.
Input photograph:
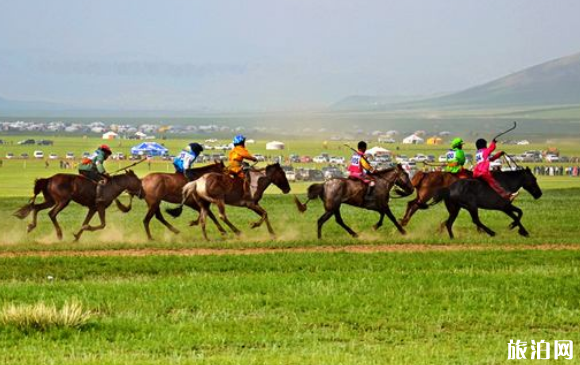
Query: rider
{"points": [[359, 166], [237, 156], [482, 159], [93, 168], [456, 158], [184, 162]]}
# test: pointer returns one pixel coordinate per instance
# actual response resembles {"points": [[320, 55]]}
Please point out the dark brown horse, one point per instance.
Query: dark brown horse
{"points": [[338, 191], [427, 184], [221, 189], [158, 187], [60, 189]]}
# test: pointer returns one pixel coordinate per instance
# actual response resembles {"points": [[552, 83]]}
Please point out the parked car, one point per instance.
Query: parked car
{"points": [[552, 158], [319, 159], [69, 156], [294, 158], [332, 173], [442, 158], [53, 156], [38, 154], [419, 158], [24, 155], [402, 159], [44, 142], [291, 175], [314, 175], [305, 159], [86, 154], [9, 155], [430, 158], [26, 141], [339, 160]]}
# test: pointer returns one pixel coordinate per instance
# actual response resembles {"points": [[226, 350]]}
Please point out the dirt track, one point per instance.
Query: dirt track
{"points": [[258, 251]]}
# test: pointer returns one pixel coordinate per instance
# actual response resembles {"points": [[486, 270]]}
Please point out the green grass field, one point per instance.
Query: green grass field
{"points": [[290, 308]]}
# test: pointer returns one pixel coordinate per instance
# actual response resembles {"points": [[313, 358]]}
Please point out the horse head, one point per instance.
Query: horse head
{"points": [[278, 177], [132, 183], [403, 181], [530, 183]]}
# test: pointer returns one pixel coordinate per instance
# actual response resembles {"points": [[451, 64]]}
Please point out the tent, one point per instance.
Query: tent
{"points": [[149, 149], [434, 140], [378, 151], [275, 145], [413, 139], [110, 135]]}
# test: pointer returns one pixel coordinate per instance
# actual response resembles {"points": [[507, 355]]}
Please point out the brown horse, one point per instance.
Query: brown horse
{"points": [[58, 191], [158, 187], [337, 191], [221, 189], [427, 184]]}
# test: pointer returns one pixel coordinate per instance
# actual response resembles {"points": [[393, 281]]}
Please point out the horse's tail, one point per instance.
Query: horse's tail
{"points": [[40, 186], [314, 191], [187, 190], [439, 196]]}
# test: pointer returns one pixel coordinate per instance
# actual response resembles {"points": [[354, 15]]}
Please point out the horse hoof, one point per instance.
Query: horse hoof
{"points": [[193, 223], [402, 231], [254, 225], [376, 227], [512, 225], [354, 235], [492, 234], [29, 228], [524, 233]]}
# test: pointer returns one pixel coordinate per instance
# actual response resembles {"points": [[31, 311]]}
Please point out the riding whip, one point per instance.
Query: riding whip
{"points": [[126, 167], [506, 131]]}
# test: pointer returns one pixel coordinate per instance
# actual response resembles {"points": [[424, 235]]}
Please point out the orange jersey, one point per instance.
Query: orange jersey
{"points": [[236, 157]]}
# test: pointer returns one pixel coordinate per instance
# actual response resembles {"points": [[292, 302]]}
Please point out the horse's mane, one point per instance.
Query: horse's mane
{"points": [[383, 171]]}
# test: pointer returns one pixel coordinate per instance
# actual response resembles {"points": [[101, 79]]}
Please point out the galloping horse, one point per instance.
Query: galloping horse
{"points": [[471, 194], [158, 187], [427, 184], [58, 191], [221, 189], [337, 191]]}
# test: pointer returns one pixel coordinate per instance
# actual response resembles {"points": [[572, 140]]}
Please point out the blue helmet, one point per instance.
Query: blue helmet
{"points": [[239, 139]]}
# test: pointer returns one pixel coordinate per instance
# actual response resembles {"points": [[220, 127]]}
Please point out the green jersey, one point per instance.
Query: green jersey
{"points": [[94, 162], [455, 160]]}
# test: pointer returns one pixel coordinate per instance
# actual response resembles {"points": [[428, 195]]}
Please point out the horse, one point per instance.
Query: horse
{"points": [[427, 184], [221, 189], [334, 192], [60, 189], [472, 194], [158, 187]]}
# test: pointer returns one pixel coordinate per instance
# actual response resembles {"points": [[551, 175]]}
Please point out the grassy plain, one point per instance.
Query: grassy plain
{"points": [[399, 308]]}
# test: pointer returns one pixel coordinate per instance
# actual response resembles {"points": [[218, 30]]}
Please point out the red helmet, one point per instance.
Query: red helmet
{"points": [[105, 148]]}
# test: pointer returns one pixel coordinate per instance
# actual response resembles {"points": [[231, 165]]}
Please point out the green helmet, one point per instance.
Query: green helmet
{"points": [[456, 142]]}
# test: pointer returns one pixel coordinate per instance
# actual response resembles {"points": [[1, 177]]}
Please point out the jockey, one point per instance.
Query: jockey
{"points": [[481, 171], [236, 160], [359, 166], [238, 155], [93, 168], [455, 157], [184, 162]]}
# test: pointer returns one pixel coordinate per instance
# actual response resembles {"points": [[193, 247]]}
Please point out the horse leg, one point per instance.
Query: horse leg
{"points": [[391, 216], [511, 211], [412, 207], [161, 219], [53, 213], [202, 216], [222, 213], [338, 219], [475, 218], [453, 213], [209, 213], [379, 224], [323, 218], [262, 212], [88, 218], [37, 208]]}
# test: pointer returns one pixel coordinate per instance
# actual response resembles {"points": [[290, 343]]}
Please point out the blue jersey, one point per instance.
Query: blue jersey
{"points": [[184, 161]]}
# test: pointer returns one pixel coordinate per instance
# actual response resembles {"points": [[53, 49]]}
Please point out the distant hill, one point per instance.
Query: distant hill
{"points": [[17, 105], [555, 82], [368, 102]]}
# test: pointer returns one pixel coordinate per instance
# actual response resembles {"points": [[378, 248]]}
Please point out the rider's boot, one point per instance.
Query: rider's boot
{"points": [[100, 189], [370, 190]]}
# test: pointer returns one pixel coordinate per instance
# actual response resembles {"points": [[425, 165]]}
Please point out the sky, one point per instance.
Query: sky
{"points": [[258, 55]]}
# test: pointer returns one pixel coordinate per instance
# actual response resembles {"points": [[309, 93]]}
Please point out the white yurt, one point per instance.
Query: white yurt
{"points": [[413, 139], [110, 135], [275, 145]]}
